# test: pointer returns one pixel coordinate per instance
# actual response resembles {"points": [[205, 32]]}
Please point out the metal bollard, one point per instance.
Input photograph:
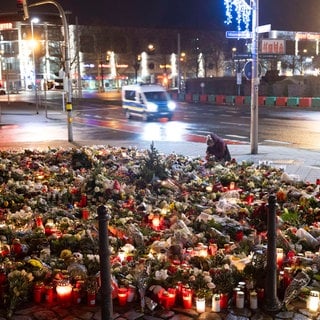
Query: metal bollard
{"points": [[272, 303], [105, 270]]}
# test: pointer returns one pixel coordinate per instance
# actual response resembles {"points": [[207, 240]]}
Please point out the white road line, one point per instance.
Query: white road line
{"points": [[236, 136], [276, 141], [236, 124]]}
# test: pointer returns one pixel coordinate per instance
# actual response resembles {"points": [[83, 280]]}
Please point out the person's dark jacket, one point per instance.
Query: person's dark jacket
{"points": [[217, 148]]}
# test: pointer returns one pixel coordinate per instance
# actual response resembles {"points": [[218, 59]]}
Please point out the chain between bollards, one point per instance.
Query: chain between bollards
{"points": [[272, 303], [105, 270]]}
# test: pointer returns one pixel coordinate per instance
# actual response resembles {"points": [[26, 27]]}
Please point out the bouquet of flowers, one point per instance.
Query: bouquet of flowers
{"points": [[20, 283]]}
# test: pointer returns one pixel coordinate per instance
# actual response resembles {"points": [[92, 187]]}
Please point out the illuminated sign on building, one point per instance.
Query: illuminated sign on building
{"points": [[273, 46], [5, 26]]}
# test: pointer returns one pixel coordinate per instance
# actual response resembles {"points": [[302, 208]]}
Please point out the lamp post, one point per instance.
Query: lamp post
{"points": [[32, 22], [66, 61], [244, 11]]}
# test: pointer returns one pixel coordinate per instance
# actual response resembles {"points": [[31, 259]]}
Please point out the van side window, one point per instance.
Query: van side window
{"points": [[130, 95]]}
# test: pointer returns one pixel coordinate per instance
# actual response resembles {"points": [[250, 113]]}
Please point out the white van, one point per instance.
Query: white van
{"points": [[149, 101]]}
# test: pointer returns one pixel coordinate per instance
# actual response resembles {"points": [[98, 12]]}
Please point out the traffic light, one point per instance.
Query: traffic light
{"points": [[22, 8]]}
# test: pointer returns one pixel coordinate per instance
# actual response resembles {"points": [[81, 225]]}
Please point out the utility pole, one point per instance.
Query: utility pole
{"points": [[244, 11], [255, 79]]}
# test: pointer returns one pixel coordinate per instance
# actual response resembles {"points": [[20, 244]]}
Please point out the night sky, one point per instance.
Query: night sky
{"points": [[291, 15]]}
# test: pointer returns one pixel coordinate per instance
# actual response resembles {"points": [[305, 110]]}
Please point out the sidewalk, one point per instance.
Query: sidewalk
{"points": [[301, 164]]}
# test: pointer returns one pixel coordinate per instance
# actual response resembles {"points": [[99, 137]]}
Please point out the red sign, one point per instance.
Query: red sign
{"points": [[273, 46]]}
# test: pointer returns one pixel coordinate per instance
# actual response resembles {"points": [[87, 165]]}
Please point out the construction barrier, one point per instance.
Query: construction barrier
{"points": [[203, 98], [315, 102], [229, 100], [293, 102], [220, 99], [281, 101], [304, 102], [270, 101]]}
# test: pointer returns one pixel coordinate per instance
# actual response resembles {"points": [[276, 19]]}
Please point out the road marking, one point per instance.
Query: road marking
{"points": [[277, 141], [235, 124], [236, 136]]}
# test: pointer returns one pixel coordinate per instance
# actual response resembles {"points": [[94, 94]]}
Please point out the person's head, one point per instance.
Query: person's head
{"points": [[210, 140]]}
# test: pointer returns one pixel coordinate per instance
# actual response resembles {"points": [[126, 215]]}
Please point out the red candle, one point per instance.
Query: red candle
{"points": [[122, 296], [91, 298], [38, 292], [224, 299], [76, 297], [172, 296], [64, 291], [187, 298], [165, 299], [85, 214], [49, 294]]}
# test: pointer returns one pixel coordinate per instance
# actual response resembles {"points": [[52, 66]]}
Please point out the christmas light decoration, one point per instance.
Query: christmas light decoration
{"points": [[243, 12]]}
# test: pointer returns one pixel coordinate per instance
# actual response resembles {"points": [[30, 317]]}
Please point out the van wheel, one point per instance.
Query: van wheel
{"points": [[128, 115]]}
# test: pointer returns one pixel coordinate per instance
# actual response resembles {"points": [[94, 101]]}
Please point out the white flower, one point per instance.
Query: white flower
{"points": [[161, 274]]}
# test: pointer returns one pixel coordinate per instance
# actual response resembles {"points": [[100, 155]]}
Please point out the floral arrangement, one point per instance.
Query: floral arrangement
{"points": [[20, 284], [175, 221]]}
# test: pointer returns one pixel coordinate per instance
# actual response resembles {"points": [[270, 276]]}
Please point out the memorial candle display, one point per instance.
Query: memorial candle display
{"points": [[279, 257], [187, 298], [64, 292], [201, 305], [313, 301], [122, 296], [216, 303]]}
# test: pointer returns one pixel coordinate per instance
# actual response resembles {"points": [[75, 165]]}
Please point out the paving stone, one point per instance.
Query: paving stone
{"points": [[209, 316]]}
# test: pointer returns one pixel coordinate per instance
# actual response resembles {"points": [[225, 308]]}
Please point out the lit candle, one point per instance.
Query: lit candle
{"points": [[279, 257], [156, 222], [131, 293], [203, 251], [165, 299], [232, 185], [216, 302], [121, 255], [172, 296], [313, 301], [122, 296], [64, 291], [201, 305], [187, 298]]}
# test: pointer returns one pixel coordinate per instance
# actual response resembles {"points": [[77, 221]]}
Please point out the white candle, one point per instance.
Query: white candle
{"points": [[240, 300], [216, 302], [313, 301], [253, 300], [201, 305]]}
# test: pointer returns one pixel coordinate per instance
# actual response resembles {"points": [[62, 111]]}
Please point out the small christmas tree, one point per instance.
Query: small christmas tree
{"points": [[153, 166]]}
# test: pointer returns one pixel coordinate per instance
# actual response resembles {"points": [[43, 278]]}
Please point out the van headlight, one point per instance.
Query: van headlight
{"points": [[152, 107], [171, 105]]}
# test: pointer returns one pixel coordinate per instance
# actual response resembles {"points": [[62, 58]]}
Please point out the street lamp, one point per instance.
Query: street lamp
{"points": [[66, 60], [32, 22]]}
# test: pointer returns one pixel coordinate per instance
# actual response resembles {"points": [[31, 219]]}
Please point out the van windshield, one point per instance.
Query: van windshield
{"points": [[156, 96]]}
